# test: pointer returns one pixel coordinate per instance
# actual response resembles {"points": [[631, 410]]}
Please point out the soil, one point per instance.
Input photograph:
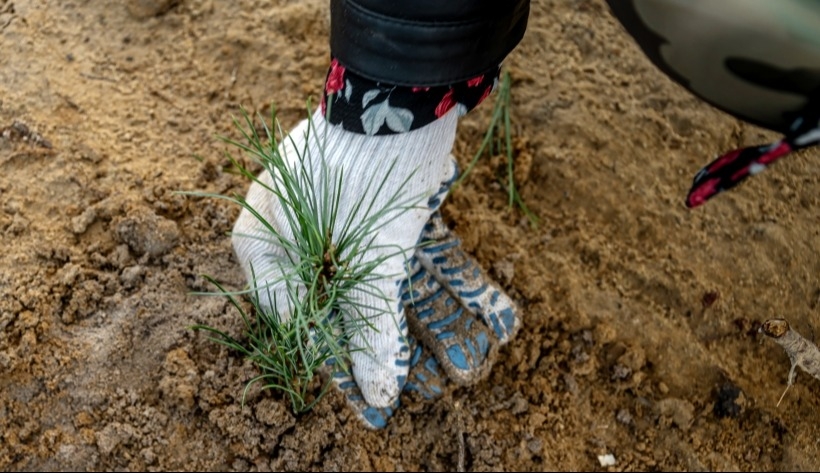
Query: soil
{"points": [[639, 316]]}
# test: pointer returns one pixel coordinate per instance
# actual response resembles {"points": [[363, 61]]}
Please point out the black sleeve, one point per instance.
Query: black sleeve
{"points": [[425, 42]]}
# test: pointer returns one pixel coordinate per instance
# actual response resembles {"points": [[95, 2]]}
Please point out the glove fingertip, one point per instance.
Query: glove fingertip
{"points": [[502, 317], [464, 347], [376, 418]]}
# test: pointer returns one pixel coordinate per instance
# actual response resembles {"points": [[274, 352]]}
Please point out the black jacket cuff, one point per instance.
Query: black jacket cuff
{"points": [[425, 42]]}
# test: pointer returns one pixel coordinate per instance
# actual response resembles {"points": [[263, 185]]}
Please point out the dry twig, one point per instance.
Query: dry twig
{"points": [[802, 352], [462, 447]]}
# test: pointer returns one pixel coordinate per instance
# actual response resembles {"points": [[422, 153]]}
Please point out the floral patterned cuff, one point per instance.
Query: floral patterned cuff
{"points": [[367, 107]]}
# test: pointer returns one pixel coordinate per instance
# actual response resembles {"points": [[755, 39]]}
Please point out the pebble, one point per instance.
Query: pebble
{"points": [[607, 460]]}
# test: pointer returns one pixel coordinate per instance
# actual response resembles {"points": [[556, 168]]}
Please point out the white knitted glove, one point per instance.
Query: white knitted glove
{"points": [[379, 352]]}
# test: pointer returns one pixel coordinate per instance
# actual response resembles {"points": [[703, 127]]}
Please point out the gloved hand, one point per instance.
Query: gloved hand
{"points": [[457, 318], [418, 162]]}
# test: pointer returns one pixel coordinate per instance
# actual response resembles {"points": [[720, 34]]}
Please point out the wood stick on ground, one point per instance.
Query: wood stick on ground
{"points": [[802, 352], [462, 447]]}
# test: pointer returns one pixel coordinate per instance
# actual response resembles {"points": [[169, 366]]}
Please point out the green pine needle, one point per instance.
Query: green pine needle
{"points": [[319, 271], [498, 140]]}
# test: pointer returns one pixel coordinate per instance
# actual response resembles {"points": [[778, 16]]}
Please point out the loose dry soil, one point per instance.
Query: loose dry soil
{"points": [[639, 316]]}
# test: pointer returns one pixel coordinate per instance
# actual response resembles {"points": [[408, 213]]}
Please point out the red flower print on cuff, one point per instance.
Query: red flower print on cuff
{"points": [[475, 81], [447, 102], [336, 78]]}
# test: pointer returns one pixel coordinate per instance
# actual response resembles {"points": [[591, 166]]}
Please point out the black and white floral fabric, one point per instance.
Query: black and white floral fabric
{"points": [[367, 107]]}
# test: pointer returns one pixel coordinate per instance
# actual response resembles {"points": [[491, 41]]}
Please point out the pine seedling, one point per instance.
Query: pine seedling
{"points": [[802, 352], [319, 269], [498, 140]]}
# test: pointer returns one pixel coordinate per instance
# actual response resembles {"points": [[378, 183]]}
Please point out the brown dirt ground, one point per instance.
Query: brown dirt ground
{"points": [[618, 353]]}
